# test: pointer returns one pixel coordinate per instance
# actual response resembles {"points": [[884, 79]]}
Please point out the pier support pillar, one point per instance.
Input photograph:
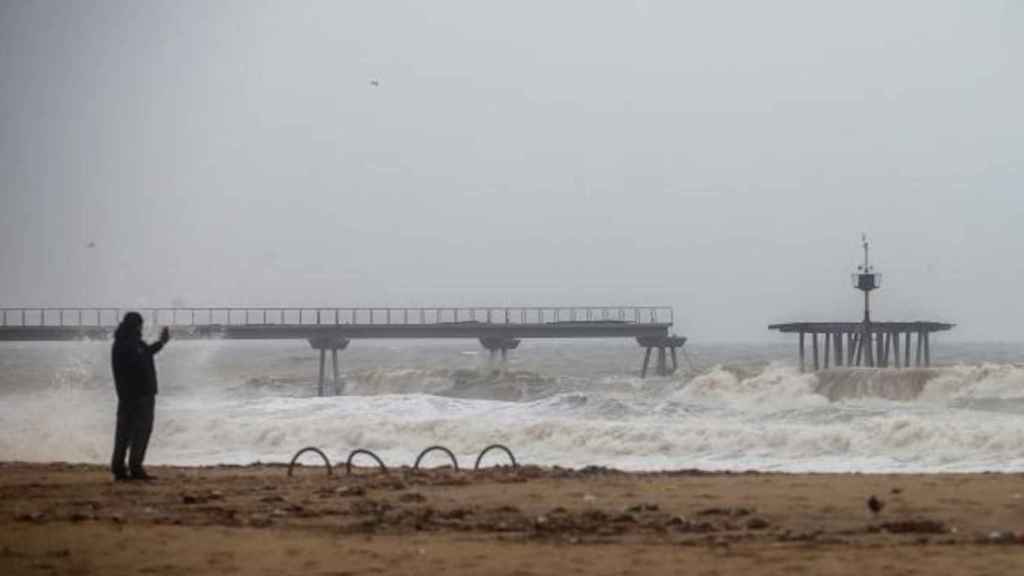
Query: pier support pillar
{"points": [[664, 345], [802, 352], [498, 345], [927, 349], [814, 350], [828, 348], [334, 344], [320, 378]]}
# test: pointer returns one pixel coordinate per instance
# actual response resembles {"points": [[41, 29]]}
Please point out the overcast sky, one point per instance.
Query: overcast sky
{"points": [[721, 157]]}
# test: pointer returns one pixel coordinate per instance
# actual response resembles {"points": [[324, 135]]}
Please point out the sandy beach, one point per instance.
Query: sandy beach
{"points": [[72, 519]]}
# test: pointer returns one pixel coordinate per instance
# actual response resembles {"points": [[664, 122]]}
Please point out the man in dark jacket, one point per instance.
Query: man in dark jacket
{"points": [[135, 379]]}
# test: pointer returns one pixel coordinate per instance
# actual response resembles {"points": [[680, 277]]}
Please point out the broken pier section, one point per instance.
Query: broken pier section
{"points": [[873, 344], [664, 345], [866, 343]]}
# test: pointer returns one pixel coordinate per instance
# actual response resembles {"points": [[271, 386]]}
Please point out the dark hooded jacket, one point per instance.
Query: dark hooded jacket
{"points": [[132, 362]]}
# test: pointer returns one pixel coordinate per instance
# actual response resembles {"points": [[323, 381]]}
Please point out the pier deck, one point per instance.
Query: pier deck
{"points": [[498, 329], [55, 324]]}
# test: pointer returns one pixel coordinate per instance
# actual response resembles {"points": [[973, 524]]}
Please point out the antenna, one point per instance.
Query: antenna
{"points": [[864, 240], [866, 267]]}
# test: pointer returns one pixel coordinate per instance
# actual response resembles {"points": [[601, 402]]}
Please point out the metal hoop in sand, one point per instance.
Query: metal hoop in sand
{"points": [[501, 447], [327, 461], [432, 449], [354, 453]]}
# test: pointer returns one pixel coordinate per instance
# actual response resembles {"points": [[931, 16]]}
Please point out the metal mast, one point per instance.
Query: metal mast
{"points": [[866, 280]]}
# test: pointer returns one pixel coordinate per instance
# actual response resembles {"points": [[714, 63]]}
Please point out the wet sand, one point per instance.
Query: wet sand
{"points": [[72, 519]]}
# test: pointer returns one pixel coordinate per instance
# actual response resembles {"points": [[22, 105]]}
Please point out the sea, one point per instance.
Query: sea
{"points": [[570, 403]]}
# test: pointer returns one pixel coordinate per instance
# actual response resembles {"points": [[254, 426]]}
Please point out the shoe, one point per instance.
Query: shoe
{"points": [[121, 477], [142, 476]]}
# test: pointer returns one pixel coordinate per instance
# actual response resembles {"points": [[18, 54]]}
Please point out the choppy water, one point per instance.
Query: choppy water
{"points": [[570, 403]]}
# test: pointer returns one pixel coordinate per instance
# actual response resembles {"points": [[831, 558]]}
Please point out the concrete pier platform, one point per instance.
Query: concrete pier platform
{"points": [[498, 329], [871, 344]]}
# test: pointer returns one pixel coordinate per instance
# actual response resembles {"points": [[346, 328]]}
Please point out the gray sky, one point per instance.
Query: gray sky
{"points": [[721, 157]]}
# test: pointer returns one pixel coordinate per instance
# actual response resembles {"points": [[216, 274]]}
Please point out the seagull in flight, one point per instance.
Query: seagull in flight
{"points": [[374, 83]]}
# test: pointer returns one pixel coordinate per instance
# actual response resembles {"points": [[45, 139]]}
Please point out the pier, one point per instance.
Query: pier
{"points": [[331, 329], [866, 343]]}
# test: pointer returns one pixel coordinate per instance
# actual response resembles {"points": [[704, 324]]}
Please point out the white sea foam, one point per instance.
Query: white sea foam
{"points": [[240, 405]]}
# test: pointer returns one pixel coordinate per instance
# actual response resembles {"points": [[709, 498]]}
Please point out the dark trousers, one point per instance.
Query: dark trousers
{"points": [[134, 425]]}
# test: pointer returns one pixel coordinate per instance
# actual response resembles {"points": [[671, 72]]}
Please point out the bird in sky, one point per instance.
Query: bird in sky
{"points": [[374, 83], [91, 245]]}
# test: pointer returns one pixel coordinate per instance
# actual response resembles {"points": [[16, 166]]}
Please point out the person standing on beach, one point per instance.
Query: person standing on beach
{"points": [[131, 359]]}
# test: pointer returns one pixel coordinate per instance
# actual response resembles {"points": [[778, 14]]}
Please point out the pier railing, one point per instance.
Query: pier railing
{"points": [[291, 316]]}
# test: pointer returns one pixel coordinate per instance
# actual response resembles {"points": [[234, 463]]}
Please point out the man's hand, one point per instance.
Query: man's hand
{"points": [[165, 335]]}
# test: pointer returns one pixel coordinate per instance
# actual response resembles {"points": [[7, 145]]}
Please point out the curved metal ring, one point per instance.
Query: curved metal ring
{"points": [[352, 455], [431, 449], [330, 470], [495, 447]]}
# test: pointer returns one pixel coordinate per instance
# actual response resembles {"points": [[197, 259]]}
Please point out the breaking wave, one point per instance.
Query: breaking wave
{"points": [[238, 409]]}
